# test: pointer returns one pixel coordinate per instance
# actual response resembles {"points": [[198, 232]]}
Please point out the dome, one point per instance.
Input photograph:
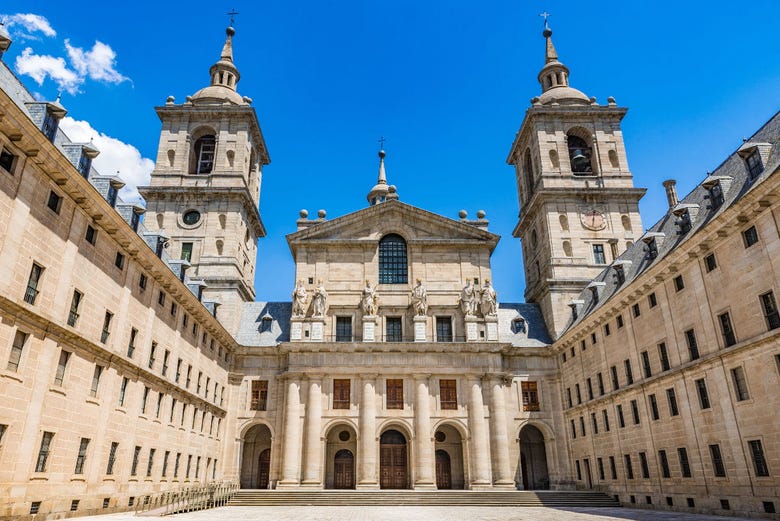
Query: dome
{"points": [[217, 94], [564, 96]]}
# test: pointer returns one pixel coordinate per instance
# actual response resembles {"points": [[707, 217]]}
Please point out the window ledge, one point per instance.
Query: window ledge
{"points": [[78, 477], [11, 375], [120, 410], [94, 401], [109, 478], [39, 476], [58, 390]]}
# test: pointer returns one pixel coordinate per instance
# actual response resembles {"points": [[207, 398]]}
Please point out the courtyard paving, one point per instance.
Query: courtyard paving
{"points": [[411, 513]]}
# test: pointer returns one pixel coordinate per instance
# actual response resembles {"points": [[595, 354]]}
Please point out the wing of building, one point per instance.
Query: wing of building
{"points": [[136, 358]]}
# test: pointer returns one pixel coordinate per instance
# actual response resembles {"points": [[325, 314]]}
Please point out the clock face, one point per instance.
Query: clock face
{"points": [[593, 219]]}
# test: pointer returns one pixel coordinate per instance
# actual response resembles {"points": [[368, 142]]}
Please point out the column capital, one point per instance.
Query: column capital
{"points": [[421, 376]]}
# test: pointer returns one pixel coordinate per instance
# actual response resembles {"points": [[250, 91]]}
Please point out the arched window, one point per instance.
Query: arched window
{"points": [[204, 154], [528, 173], [392, 260], [579, 155]]}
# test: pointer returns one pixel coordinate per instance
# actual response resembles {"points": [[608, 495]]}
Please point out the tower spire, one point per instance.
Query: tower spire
{"points": [[224, 76], [381, 191], [554, 76]]}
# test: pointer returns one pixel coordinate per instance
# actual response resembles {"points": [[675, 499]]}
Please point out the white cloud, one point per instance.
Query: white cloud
{"points": [[115, 156], [97, 64], [31, 23], [39, 66]]}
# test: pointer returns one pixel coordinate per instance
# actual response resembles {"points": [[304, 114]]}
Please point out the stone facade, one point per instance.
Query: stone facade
{"points": [[136, 360]]}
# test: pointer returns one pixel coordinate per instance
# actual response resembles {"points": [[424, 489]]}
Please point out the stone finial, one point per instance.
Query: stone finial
{"points": [[304, 213], [169, 100], [463, 214], [481, 214], [321, 213]]}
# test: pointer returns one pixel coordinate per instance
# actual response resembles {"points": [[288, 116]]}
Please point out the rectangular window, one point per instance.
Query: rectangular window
{"points": [[177, 376], [710, 263], [166, 356], [81, 457], [759, 461], [186, 251], [598, 254], [54, 202], [7, 161], [176, 463], [740, 384], [629, 372], [717, 461], [693, 345], [160, 397], [17, 348], [152, 351], [672, 398], [444, 329], [701, 389], [93, 391], [106, 331], [73, 314], [144, 399], [619, 321], [31, 293], [189, 465], [161, 299], [150, 464], [165, 463], [636, 310], [750, 236], [568, 397], [119, 260], [769, 305], [578, 393], [62, 364], [729, 338], [664, 356], [394, 390], [122, 391], [43, 452], [754, 164], [573, 429], [607, 331], [142, 282], [612, 467], [173, 409], [579, 470], [621, 420], [653, 407], [341, 393], [174, 308], [259, 399], [646, 364], [594, 423], [198, 385], [189, 376], [448, 394], [605, 417], [664, 462], [589, 385], [600, 465], [679, 285], [600, 380], [393, 331], [685, 466], [652, 300], [644, 466], [635, 412], [111, 458], [343, 329], [615, 381], [629, 466]]}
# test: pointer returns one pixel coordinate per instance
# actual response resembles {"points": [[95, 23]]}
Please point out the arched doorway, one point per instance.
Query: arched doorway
{"points": [[340, 456], [450, 472], [533, 459], [344, 470], [256, 458], [393, 468]]}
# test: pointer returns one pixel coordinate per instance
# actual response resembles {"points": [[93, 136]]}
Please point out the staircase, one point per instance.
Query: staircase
{"points": [[516, 498]]}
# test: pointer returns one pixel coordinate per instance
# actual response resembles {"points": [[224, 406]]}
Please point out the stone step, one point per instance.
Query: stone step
{"points": [[422, 498]]}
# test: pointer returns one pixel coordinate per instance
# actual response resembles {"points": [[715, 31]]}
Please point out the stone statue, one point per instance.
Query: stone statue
{"points": [[419, 299], [320, 300], [489, 306], [370, 300], [468, 299], [299, 300]]}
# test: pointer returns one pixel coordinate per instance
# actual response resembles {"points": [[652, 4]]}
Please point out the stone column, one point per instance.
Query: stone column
{"points": [[312, 464], [480, 448], [367, 449], [291, 463], [425, 466], [499, 441]]}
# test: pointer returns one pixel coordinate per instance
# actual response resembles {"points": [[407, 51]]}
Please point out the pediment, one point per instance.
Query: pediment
{"points": [[372, 223]]}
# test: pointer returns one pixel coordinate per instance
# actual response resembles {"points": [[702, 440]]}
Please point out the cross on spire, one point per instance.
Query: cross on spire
{"points": [[232, 14], [381, 142], [545, 15]]}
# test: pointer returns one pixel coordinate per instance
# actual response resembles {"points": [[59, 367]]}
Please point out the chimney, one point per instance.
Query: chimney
{"points": [[671, 192]]}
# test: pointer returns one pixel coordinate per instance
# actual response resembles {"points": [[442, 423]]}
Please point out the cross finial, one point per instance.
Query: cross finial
{"points": [[232, 14], [545, 15], [381, 142]]}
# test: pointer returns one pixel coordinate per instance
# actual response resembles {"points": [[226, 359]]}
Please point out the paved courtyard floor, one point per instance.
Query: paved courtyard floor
{"points": [[410, 513]]}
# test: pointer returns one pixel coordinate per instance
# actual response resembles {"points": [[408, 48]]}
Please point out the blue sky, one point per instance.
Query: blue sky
{"points": [[446, 82]]}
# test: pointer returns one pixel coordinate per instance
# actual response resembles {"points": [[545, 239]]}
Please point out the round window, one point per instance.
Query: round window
{"points": [[440, 436], [191, 217], [344, 435]]}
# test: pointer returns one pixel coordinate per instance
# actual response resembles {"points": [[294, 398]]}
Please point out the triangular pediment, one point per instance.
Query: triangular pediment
{"points": [[372, 223]]}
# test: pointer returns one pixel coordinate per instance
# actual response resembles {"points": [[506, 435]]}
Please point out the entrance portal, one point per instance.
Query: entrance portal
{"points": [[392, 460], [256, 458], [533, 459], [450, 472], [344, 470], [443, 470]]}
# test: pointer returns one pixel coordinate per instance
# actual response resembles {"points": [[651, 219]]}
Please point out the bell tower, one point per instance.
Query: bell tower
{"points": [[204, 193], [579, 209]]}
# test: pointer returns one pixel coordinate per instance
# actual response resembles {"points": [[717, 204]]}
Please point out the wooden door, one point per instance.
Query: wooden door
{"points": [[588, 478], [344, 470], [264, 469], [443, 470], [524, 471], [392, 461]]}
